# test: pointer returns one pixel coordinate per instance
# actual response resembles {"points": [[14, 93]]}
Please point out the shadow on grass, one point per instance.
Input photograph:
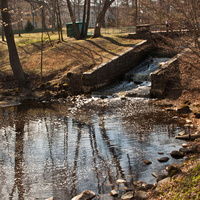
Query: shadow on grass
{"points": [[117, 43], [100, 47]]}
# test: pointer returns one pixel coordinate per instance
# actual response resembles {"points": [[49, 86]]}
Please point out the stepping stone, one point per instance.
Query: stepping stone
{"points": [[177, 154], [163, 159]]}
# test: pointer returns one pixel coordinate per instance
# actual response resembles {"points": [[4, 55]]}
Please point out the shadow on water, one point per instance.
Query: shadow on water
{"points": [[60, 150]]}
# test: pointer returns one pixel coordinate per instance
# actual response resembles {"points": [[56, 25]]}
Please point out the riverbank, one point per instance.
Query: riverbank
{"points": [[184, 95]]}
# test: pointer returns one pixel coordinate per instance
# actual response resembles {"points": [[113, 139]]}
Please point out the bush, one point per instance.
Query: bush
{"points": [[29, 27]]}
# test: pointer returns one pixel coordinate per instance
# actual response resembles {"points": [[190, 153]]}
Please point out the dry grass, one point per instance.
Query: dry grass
{"points": [[62, 57]]}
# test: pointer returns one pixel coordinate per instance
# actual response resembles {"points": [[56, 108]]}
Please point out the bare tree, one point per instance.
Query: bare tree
{"points": [[86, 16], [13, 54], [100, 18], [73, 18]]}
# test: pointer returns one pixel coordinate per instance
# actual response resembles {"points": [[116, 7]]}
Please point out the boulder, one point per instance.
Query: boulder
{"points": [[163, 159], [128, 196], [177, 154], [186, 150], [173, 169], [85, 195], [165, 180], [159, 175], [140, 195]]}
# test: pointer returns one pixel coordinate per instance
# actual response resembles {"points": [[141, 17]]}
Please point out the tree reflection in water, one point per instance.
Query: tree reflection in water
{"points": [[19, 150], [60, 155]]}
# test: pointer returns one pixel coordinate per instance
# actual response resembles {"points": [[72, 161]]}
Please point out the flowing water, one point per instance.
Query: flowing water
{"points": [[136, 82], [61, 149]]}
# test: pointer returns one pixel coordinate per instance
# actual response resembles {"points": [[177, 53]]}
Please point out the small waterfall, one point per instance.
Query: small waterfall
{"points": [[136, 82], [143, 71]]}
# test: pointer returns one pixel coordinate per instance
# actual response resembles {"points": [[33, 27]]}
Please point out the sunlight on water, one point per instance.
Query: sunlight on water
{"points": [[60, 149]]}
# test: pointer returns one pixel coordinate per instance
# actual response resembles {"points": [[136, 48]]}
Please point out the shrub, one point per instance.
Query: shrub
{"points": [[29, 27]]}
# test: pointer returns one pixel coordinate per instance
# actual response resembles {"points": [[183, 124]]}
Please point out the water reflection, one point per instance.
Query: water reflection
{"points": [[50, 150]]}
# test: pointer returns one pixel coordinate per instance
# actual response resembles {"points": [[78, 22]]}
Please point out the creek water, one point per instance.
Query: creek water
{"points": [[60, 149]]}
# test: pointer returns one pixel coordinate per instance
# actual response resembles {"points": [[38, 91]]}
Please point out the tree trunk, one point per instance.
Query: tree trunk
{"points": [[78, 35], [100, 18], [84, 16], [88, 19], [85, 21], [2, 33], [13, 54]]}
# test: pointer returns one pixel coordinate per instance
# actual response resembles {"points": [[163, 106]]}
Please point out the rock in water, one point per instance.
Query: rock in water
{"points": [[120, 181], [177, 154], [113, 193], [163, 159], [141, 195], [85, 195], [128, 196], [147, 162]]}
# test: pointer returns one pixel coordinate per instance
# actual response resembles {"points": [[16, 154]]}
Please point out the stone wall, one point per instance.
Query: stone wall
{"points": [[109, 72], [166, 78]]}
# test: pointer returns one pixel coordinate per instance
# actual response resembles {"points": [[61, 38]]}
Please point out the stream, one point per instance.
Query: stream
{"points": [[59, 149]]}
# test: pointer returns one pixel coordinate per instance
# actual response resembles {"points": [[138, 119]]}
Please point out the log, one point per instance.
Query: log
{"points": [[188, 137]]}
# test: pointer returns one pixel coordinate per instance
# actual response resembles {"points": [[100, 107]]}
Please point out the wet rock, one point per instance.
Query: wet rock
{"points": [[181, 133], [149, 186], [184, 145], [165, 180], [177, 154], [186, 150], [113, 193], [127, 189], [128, 196], [139, 185], [140, 195], [85, 195], [184, 110], [120, 181], [159, 175], [163, 159], [147, 162], [173, 169], [161, 153]]}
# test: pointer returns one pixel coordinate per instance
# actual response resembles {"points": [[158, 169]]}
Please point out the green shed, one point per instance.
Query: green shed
{"points": [[70, 29]]}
